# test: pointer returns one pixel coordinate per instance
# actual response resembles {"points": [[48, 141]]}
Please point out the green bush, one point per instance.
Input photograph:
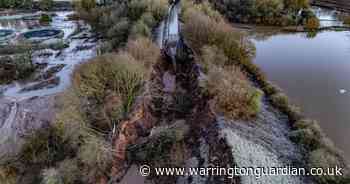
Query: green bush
{"points": [[46, 5], [45, 19]]}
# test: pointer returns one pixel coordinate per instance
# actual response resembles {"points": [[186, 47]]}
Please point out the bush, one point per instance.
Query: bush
{"points": [[86, 5], [213, 55], [346, 19], [308, 133], [8, 175], [45, 19], [69, 171], [322, 158], [52, 176], [312, 24], [46, 5], [201, 30], [144, 50], [119, 74], [233, 94], [280, 101], [158, 8], [140, 29], [96, 156]]}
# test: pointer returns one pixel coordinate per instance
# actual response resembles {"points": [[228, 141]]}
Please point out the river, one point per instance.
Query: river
{"points": [[314, 73]]}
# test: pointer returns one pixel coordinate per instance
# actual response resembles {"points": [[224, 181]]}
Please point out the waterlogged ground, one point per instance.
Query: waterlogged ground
{"points": [[28, 105]]}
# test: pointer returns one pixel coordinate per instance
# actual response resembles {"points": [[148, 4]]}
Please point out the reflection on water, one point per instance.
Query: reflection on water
{"points": [[315, 74]]}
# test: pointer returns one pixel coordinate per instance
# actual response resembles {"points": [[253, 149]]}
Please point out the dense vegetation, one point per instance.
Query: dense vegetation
{"points": [[78, 148], [266, 12], [26, 4], [223, 52], [17, 67], [123, 19]]}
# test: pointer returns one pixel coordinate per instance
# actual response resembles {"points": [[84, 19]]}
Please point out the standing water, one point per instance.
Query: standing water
{"points": [[314, 73]]}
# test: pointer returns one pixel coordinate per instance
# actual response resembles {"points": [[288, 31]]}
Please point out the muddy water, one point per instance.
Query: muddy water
{"points": [[315, 74]]}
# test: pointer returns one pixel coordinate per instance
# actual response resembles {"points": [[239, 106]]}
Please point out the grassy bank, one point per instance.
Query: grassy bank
{"points": [[222, 48]]}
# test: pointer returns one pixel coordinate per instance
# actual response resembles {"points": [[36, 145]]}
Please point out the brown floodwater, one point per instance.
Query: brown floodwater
{"points": [[315, 74]]}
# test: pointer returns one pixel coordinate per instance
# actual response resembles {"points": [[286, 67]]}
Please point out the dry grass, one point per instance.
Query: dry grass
{"points": [[234, 95], [144, 50]]}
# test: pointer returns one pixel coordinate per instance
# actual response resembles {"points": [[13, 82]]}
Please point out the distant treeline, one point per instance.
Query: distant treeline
{"points": [[268, 12], [28, 4]]}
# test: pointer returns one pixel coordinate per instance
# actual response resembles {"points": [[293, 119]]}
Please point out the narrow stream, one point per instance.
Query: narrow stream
{"points": [[314, 72]]}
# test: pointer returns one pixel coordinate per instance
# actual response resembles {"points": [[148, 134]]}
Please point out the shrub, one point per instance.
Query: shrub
{"points": [[44, 147], [201, 30], [213, 55], [346, 19], [45, 19], [312, 24], [69, 171], [46, 5], [308, 133], [118, 73], [321, 158], [52, 176], [144, 50], [8, 175], [280, 101], [271, 89], [148, 19], [96, 156], [70, 121], [136, 9], [158, 8], [140, 29], [86, 5], [233, 94], [118, 33]]}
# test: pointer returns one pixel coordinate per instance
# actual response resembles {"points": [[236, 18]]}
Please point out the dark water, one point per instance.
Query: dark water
{"points": [[315, 73]]}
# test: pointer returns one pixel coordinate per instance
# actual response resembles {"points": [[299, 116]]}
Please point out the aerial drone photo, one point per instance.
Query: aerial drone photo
{"points": [[174, 92]]}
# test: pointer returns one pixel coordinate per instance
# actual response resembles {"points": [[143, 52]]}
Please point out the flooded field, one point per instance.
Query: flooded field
{"points": [[77, 50], [314, 73]]}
